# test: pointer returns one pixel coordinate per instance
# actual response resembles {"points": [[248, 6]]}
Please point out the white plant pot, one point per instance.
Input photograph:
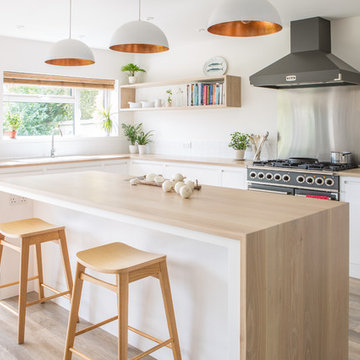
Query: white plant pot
{"points": [[133, 149], [132, 79], [239, 154], [142, 149]]}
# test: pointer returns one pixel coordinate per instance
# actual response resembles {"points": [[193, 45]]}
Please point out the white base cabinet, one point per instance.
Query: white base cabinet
{"points": [[350, 192]]}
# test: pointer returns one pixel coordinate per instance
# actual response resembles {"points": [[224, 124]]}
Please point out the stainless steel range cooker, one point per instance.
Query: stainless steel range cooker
{"points": [[305, 177]]}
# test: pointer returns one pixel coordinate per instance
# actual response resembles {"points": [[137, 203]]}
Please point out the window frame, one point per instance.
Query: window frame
{"points": [[57, 99]]}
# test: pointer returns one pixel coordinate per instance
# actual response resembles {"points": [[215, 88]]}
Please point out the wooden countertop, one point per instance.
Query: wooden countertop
{"points": [[161, 158], [352, 172], [213, 210]]}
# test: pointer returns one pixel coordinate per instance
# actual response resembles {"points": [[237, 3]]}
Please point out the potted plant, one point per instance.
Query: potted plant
{"points": [[13, 122], [239, 142], [132, 132], [132, 69], [143, 140], [169, 99], [107, 123]]}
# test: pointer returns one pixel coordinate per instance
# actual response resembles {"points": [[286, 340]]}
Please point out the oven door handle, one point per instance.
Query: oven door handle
{"points": [[270, 191]]}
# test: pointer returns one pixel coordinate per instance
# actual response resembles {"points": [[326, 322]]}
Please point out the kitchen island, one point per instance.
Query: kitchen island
{"points": [[254, 275]]}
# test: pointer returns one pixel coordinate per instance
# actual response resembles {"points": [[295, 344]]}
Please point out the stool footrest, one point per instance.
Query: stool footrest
{"points": [[152, 338], [9, 308], [155, 348], [92, 327], [9, 245], [18, 282], [48, 298], [80, 354], [97, 281], [48, 287]]}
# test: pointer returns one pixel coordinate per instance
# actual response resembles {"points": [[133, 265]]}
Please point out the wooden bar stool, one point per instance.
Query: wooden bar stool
{"points": [[33, 232], [128, 264]]}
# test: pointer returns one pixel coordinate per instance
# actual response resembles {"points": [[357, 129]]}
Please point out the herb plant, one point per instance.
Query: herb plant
{"points": [[132, 132], [132, 69], [13, 121], [239, 141], [144, 138]]}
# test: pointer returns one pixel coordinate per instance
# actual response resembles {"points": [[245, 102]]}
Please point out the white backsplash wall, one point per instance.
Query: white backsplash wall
{"points": [[24, 55], [206, 132]]}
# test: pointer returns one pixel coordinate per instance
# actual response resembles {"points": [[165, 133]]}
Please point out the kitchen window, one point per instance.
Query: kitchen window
{"points": [[46, 102]]}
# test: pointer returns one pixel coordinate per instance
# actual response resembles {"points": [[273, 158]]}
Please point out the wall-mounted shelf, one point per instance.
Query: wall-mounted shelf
{"points": [[232, 92]]}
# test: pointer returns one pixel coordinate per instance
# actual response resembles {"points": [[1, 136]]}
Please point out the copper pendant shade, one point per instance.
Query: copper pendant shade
{"points": [[245, 18], [139, 37], [70, 52]]}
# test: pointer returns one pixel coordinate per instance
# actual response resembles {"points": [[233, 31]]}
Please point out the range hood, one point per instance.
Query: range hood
{"points": [[310, 63]]}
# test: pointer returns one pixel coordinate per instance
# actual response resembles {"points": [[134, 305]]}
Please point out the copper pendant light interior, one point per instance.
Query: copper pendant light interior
{"points": [[245, 28], [139, 48], [70, 62]]}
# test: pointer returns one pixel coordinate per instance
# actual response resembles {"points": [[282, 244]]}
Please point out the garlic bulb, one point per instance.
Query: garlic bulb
{"points": [[159, 179], [167, 186], [190, 183], [185, 191], [134, 181], [177, 177], [150, 177], [178, 185]]}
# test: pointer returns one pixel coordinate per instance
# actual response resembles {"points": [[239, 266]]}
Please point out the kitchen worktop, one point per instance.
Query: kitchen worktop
{"points": [[212, 210], [161, 158]]}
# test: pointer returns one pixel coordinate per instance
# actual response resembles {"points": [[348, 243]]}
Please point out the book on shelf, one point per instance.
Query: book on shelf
{"points": [[205, 93]]}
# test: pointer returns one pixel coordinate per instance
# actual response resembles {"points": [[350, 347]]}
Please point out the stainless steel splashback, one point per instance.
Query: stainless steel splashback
{"points": [[313, 122]]}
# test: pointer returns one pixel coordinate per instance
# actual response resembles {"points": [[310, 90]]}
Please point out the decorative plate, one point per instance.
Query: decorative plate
{"points": [[215, 66]]}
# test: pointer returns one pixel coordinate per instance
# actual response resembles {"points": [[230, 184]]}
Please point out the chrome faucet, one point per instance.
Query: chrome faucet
{"points": [[52, 154]]}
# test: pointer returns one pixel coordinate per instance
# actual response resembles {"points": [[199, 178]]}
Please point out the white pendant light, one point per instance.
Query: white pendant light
{"points": [[139, 37], [245, 18], [70, 52]]}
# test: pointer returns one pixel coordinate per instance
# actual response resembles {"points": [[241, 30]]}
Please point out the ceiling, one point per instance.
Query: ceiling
{"points": [[94, 21]]}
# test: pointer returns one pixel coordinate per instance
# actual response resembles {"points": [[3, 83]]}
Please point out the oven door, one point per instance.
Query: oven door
{"points": [[317, 194], [271, 189]]}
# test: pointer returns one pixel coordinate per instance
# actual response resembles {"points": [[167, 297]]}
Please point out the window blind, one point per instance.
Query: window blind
{"points": [[56, 80]]}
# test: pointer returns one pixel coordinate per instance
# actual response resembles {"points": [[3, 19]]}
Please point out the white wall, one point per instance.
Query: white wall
{"points": [[209, 130], [28, 56]]}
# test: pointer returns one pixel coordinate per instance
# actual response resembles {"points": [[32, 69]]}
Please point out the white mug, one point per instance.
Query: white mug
{"points": [[158, 103]]}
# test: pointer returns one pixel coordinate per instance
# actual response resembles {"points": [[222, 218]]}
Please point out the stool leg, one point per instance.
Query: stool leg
{"points": [[39, 270], [169, 309], [73, 317], [24, 264], [2, 237], [123, 303], [65, 259]]}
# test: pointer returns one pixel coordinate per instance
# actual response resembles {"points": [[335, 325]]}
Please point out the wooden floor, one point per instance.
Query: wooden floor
{"points": [[354, 323], [46, 325], [45, 335]]}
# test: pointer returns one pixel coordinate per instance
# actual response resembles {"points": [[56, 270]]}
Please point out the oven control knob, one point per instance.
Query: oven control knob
{"points": [[277, 177], [310, 180], [329, 182], [269, 176], [300, 179], [319, 181], [286, 178], [253, 174], [261, 175]]}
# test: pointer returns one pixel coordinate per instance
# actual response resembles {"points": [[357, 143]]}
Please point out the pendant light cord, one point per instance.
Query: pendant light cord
{"points": [[70, 19], [139, 10]]}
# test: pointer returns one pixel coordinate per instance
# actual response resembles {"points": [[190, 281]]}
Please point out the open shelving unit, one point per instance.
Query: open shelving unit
{"points": [[232, 92]]}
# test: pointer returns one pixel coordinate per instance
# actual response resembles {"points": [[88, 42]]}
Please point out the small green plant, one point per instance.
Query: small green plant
{"points": [[132, 132], [107, 123], [170, 94], [13, 121], [239, 141], [144, 138], [132, 69]]}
